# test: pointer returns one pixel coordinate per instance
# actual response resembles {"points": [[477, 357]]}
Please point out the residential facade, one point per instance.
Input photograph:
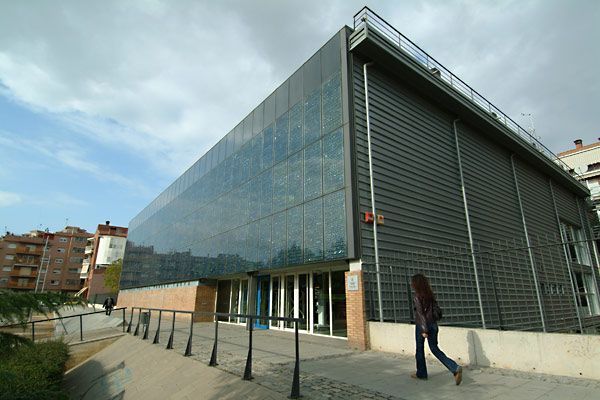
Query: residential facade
{"points": [[370, 163], [105, 247], [44, 261]]}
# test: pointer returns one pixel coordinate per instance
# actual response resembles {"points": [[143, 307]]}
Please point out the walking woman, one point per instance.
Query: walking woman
{"points": [[426, 328]]}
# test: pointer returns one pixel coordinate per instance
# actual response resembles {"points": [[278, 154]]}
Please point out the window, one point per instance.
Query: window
{"points": [[74, 270], [72, 282], [55, 282], [81, 249], [60, 250], [586, 293], [58, 261], [76, 260], [576, 244], [12, 246], [31, 247], [62, 239], [9, 257], [22, 282], [80, 239], [3, 280], [56, 271], [7, 268]]}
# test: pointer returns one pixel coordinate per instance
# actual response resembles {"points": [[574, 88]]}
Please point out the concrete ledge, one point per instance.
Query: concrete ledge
{"points": [[576, 356]]}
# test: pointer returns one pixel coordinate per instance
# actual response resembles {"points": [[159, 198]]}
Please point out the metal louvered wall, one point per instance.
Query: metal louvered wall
{"points": [[517, 249]]}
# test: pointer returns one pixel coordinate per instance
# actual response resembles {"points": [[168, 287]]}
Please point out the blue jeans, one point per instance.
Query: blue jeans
{"points": [[433, 346]]}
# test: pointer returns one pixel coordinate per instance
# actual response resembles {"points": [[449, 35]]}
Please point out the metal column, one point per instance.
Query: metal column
{"points": [[533, 271], [594, 275], [567, 259], [466, 207], [373, 208]]}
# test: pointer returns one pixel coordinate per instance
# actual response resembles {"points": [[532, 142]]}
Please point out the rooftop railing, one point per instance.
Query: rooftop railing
{"points": [[368, 19]]}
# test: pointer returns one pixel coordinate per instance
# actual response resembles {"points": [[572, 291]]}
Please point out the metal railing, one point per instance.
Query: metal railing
{"points": [[295, 392], [367, 18], [61, 318]]}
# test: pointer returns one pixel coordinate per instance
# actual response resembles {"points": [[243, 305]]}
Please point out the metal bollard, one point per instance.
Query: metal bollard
{"points": [[81, 328], [188, 348], [32, 331], [156, 335], [130, 321], [137, 327], [213, 357], [170, 342], [248, 369], [147, 325], [296, 382], [124, 321]]}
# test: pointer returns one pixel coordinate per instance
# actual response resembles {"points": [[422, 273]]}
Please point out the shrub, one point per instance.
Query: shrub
{"points": [[33, 371]]}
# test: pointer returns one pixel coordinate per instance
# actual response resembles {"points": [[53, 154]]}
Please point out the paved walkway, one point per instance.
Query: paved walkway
{"points": [[330, 371]]}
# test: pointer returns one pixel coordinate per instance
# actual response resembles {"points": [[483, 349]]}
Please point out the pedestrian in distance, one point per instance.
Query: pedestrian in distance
{"points": [[109, 304], [427, 315]]}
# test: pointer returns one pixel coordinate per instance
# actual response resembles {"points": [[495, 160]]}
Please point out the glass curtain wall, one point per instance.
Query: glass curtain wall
{"points": [[270, 194]]}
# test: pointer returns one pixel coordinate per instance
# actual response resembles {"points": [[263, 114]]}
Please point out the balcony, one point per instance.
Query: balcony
{"points": [[13, 284], [89, 249], [17, 273]]}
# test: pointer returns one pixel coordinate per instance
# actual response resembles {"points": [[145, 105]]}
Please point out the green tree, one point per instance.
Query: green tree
{"points": [[112, 275], [16, 307]]}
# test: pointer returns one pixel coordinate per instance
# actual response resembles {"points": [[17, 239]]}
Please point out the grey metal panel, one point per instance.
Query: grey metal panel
{"points": [[566, 202]]}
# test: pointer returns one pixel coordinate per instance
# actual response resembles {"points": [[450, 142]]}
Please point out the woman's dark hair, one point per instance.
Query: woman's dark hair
{"points": [[422, 288]]}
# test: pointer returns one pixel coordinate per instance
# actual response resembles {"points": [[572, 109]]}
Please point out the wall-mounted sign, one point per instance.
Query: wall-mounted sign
{"points": [[353, 283]]}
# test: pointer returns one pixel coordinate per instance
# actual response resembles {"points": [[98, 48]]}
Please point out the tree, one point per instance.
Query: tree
{"points": [[112, 275], [16, 307]]}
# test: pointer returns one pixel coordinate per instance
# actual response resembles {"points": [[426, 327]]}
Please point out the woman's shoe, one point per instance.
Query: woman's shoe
{"points": [[458, 376]]}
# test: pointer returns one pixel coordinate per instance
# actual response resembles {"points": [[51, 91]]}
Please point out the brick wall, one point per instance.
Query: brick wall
{"points": [[356, 317], [187, 298]]}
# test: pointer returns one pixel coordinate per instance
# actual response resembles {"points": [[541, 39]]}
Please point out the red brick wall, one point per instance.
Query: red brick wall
{"points": [[186, 298], [358, 337]]}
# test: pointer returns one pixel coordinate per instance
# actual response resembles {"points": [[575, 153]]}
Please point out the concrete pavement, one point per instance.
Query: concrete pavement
{"points": [[328, 370]]}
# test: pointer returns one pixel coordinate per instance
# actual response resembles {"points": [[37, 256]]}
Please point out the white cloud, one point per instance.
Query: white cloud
{"points": [[8, 199]]}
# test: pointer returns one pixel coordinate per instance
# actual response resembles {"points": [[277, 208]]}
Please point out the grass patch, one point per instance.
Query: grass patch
{"points": [[33, 371]]}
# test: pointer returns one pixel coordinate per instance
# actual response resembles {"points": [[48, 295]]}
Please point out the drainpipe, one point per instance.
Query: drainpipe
{"points": [[466, 207], [373, 208], [531, 260]]}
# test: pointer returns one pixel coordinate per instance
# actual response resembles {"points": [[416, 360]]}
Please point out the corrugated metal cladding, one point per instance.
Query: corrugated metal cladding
{"points": [[418, 190]]}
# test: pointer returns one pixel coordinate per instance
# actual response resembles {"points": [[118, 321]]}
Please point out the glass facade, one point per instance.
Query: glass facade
{"points": [[269, 194]]}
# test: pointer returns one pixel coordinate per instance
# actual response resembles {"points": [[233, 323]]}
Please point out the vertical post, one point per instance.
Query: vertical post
{"points": [[32, 331], [587, 246], [468, 221], [296, 381], [157, 334], [170, 342], [130, 321], [393, 292], [530, 252], [188, 348], [372, 188], [81, 328], [567, 258], [248, 369], [147, 326], [213, 357], [124, 321], [137, 327]]}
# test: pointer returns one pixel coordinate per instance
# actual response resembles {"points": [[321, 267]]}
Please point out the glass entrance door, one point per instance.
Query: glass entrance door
{"points": [[262, 301]]}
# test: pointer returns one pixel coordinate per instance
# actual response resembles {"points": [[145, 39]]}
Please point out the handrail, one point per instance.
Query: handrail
{"points": [[368, 18], [23, 324], [295, 393]]}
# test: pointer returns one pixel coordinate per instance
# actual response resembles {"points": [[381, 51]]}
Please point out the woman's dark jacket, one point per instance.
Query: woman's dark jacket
{"points": [[423, 313]]}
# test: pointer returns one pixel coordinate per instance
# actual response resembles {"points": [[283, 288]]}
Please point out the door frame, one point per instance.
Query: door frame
{"points": [[259, 279]]}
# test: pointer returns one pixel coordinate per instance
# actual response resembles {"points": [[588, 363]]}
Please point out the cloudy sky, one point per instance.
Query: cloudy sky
{"points": [[103, 104]]}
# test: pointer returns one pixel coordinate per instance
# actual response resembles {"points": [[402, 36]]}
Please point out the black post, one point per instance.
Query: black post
{"points": [[81, 328], [130, 321], [296, 382], [32, 331], [248, 370], [156, 336], [147, 326], [188, 348], [170, 343], [124, 321], [137, 327], [213, 357]]}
